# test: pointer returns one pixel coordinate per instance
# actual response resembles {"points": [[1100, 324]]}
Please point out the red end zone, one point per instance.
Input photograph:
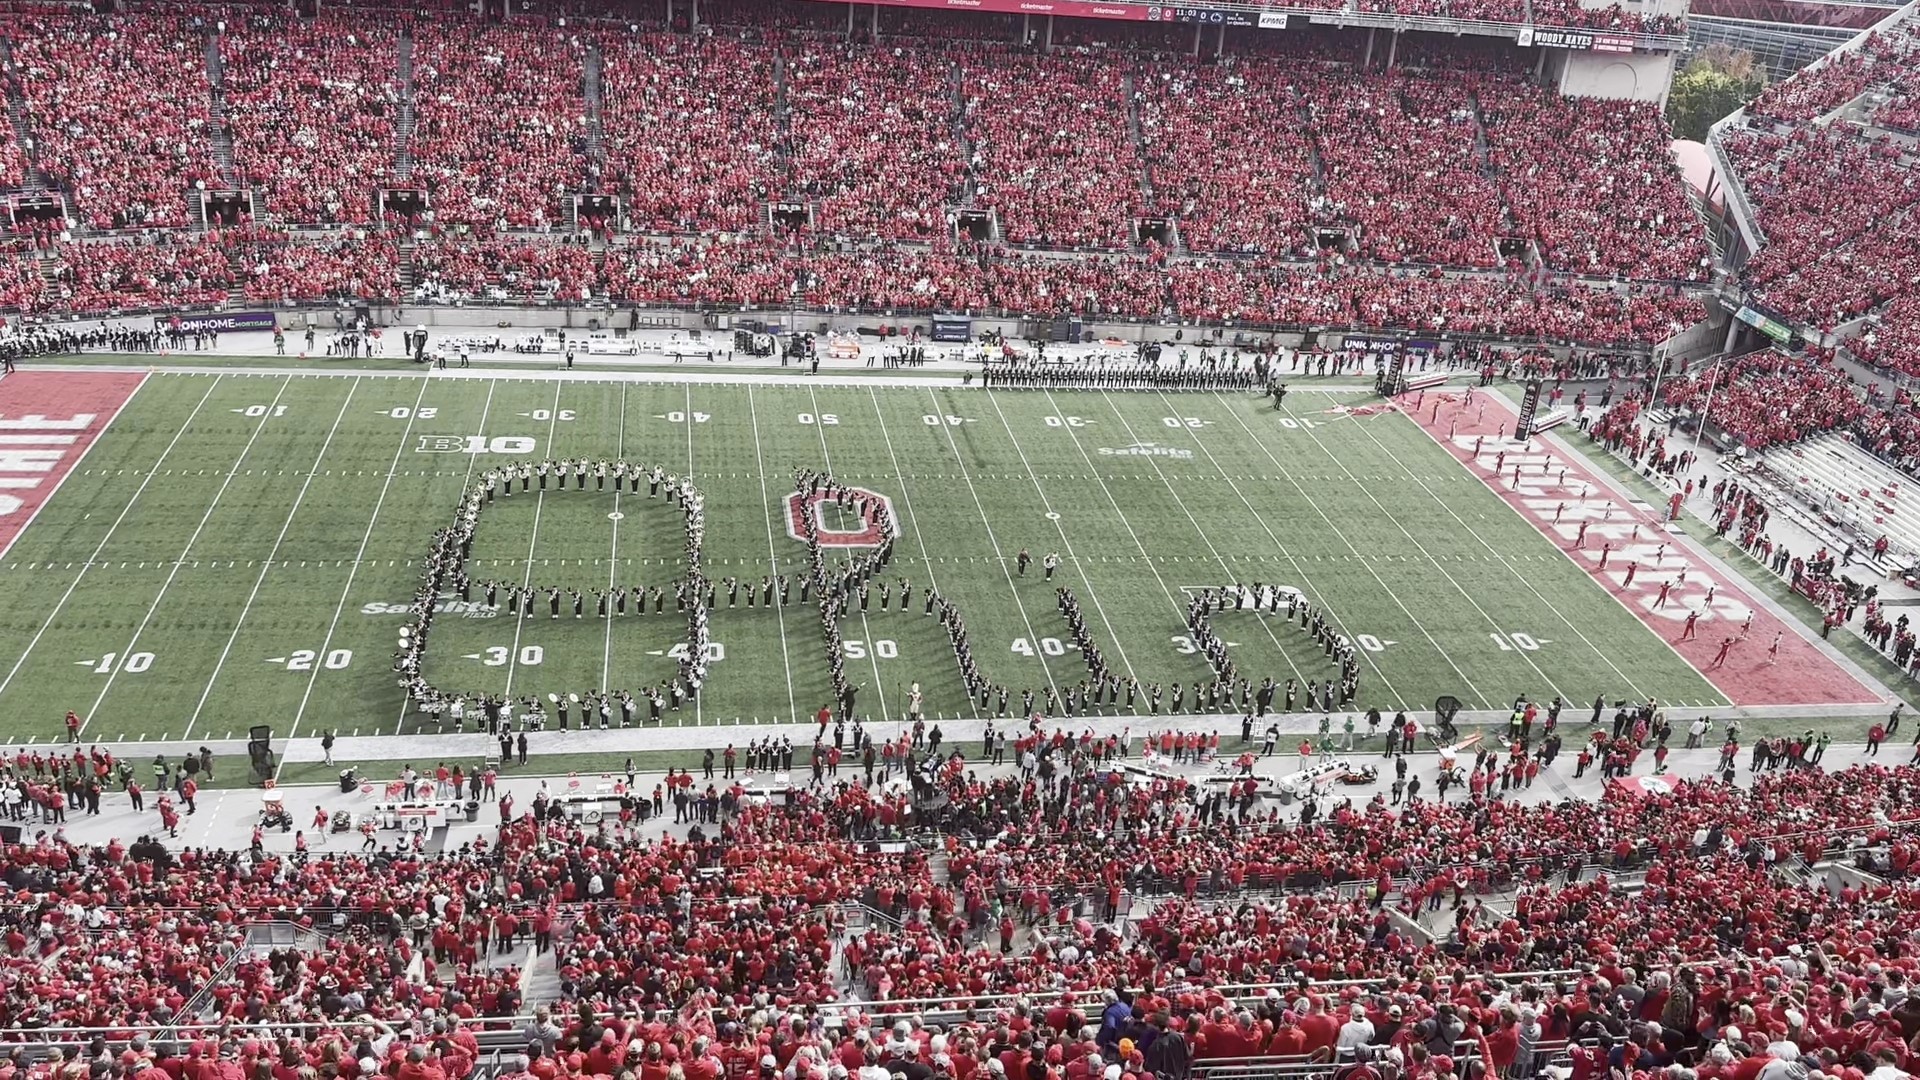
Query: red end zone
{"points": [[48, 422], [1559, 495]]}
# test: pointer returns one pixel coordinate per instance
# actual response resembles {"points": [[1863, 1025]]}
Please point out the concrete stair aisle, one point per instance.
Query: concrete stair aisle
{"points": [[221, 134], [1483, 156], [962, 193], [591, 88], [539, 978], [1139, 154], [1305, 115], [403, 124], [408, 272]]}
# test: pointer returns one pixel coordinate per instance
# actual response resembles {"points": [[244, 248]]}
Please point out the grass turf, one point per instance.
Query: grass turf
{"points": [[236, 588]]}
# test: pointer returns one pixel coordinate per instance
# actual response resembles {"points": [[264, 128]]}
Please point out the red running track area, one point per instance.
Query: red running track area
{"points": [[1628, 551], [48, 422]]}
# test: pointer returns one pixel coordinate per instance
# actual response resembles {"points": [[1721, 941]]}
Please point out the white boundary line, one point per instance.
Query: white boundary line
{"points": [[613, 548], [326, 643], [906, 503], [773, 555], [152, 472], [873, 655], [1060, 527], [533, 541], [1128, 525], [266, 565], [1362, 487], [184, 551], [75, 467], [960, 461]]}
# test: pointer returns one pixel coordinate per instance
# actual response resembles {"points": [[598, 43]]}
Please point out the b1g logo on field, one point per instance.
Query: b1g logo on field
{"points": [[801, 504], [475, 444]]}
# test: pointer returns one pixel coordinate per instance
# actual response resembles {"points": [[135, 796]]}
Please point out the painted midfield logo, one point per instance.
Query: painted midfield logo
{"points": [[1147, 449]]}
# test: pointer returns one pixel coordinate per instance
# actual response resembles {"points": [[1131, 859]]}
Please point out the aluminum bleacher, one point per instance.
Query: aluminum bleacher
{"points": [[1854, 496]]}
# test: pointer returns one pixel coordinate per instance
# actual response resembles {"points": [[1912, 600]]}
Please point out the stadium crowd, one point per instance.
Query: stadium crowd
{"points": [[689, 131], [311, 107], [698, 134], [119, 110], [725, 944], [1833, 200], [1768, 398]]}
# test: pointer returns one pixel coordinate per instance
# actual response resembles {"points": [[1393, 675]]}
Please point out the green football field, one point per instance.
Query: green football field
{"points": [[237, 550]]}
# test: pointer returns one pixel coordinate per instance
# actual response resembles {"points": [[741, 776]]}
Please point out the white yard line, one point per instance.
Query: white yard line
{"points": [[1387, 515], [77, 462], [1066, 545], [544, 453], [92, 559], [613, 549], [266, 565], [1176, 601], [773, 556], [906, 499], [184, 551], [960, 461], [873, 655], [326, 643], [1278, 547]]}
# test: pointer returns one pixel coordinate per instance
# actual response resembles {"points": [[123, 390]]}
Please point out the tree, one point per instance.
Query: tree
{"points": [[1713, 84]]}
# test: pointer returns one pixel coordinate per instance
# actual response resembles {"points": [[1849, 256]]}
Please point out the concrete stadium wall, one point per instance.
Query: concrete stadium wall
{"points": [[1617, 76], [510, 322], [522, 319]]}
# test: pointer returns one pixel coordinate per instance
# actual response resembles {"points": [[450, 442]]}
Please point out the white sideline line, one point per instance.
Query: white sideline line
{"points": [[533, 540], [998, 556], [906, 501], [94, 558], [773, 557], [1058, 524], [185, 551], [326, 643], [873, 655], [266, 565], [65, 440], [613, 551]]}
